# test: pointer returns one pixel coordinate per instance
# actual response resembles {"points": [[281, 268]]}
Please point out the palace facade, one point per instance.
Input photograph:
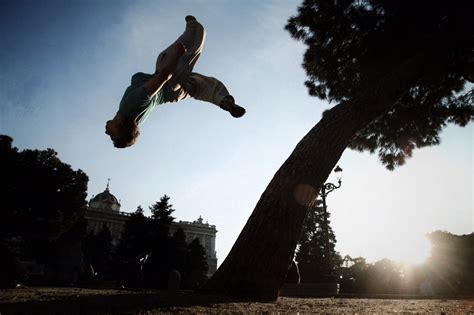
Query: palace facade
{"points": [[104, 208]]}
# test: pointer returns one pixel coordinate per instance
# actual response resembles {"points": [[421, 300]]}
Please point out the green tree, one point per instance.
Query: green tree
{"points": [[161, 217], [375, 38], [11, 270], [179, 252], [354, 275], [196, 269], [384, 277], [396, 69], [43, 205], [135, 239], [313, 264], [160, 263], [98, 252], [135, 243], [450, 265]]}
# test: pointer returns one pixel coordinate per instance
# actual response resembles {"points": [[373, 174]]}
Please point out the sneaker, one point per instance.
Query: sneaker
{"points": [[228, 104]]}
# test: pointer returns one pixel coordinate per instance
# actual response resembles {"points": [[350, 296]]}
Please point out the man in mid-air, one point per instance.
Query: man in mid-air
{"points": [[172, 81]]}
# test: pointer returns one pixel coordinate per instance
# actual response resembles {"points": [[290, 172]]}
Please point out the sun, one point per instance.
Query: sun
{"points": [[415, 252]]}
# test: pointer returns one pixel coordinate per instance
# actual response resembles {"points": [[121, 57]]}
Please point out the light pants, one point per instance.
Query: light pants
{"points": [[184, 83]]}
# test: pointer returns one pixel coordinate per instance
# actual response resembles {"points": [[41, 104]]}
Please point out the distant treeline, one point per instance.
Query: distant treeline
{"points": [[43, 239], [448, 271]]}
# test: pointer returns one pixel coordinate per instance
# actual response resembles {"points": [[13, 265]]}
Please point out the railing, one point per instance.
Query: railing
{"points": [[197, 224]]}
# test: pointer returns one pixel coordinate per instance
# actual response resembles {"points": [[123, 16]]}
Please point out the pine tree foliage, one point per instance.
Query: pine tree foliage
{"points": [[135, 239], [313, 248], [352, 44], [196, 265], [162, 210], [161, 215], [179, 250], [147, 254]]}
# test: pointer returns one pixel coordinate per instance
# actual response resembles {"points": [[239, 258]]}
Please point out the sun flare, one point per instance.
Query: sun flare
{"points": [[416, 252]]}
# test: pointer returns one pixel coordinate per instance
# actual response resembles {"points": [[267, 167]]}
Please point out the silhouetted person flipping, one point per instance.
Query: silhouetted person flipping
{"points": [[172, 81]]}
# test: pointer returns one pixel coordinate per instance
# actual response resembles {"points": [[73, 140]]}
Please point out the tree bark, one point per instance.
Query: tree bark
{"points": [[257, 265]]}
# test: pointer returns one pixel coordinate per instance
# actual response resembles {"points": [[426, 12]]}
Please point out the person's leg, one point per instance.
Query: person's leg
{"points": [[184, 83], [211, 90], [193, 40], [205, 88]]}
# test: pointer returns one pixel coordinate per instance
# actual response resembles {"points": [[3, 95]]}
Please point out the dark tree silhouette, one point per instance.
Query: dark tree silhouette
{"points": [[11, 270], [354, 275], [196, 266], [135, 239], [135, 242], [448, 271], [146, 254], [382, 277], [43, 203], [98, 252], [450, 267], [179, 250], [353, 44], [312, 263], [395, 68], [161, 216], [160, 263]]}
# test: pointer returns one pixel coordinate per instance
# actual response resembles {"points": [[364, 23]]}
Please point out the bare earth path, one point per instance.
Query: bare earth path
{"points": [[73, 301], [333, 305]]}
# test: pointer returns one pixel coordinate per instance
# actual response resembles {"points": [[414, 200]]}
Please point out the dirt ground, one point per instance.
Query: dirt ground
{"points": [[28, 294], [111, 301], [331, 305]]}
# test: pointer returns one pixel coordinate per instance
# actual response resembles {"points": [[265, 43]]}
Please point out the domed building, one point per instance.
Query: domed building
{"points": [[104, 209], [105, 200]]}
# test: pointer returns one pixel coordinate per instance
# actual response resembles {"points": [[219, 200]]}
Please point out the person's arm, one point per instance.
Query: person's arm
{"points": [[159, 79]]}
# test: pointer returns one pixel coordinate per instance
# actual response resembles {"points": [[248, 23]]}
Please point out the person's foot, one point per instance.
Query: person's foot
{"points": [[228, 104], [189, 18]]}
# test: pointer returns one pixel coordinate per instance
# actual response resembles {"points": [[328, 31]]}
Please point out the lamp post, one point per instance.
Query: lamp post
{"points": [[325, 190]]}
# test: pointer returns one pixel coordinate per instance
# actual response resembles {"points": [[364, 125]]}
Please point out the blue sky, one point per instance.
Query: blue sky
{"points": [[65, 64]]}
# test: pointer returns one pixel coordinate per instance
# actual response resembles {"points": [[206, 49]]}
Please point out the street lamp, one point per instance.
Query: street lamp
{"points": [[329, 187], [325, 190], [338, 172]]}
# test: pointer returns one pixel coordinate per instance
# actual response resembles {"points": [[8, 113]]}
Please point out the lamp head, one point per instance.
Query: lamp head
{"points": [[338, 172]]}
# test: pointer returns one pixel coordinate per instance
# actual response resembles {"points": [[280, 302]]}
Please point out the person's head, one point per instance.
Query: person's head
{"points": [[123, 131]]}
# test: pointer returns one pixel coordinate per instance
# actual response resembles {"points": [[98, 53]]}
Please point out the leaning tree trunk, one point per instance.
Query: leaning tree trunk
{"points": [[257, 265]]}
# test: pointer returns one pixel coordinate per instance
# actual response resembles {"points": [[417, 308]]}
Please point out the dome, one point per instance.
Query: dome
{"points": [[105, 200], [105, 196]]}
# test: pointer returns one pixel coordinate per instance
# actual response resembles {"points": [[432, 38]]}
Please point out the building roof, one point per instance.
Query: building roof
{"points": [[105, 200], [105, 196]]}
